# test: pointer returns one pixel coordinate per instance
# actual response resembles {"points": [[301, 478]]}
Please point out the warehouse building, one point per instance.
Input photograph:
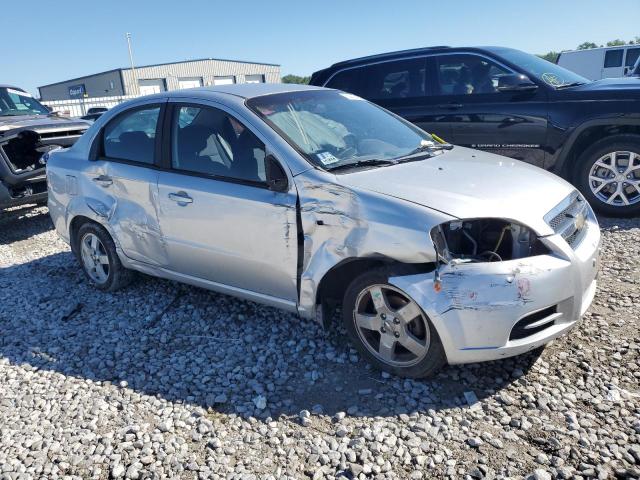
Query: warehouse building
{"points": [[148, 79]]}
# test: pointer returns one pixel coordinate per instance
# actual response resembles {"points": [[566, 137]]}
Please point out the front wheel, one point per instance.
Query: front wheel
{"points": [[390, 329], [608, 175]]}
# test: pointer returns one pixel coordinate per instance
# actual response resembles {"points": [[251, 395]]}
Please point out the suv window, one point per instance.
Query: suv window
{"points": [[632, 56], [209, 141], [131, 135], [613, 58], [388, 80], [467, 74]]}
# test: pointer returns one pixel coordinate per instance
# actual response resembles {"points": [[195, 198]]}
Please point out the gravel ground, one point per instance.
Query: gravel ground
{"points": [[165, 380]]}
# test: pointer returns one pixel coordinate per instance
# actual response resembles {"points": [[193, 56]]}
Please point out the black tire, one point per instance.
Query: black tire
{"points": [[118, 276], [435, 357], [615, 143]]}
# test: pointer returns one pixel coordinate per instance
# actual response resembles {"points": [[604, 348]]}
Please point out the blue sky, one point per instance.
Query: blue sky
{"points": [[47, 41]]}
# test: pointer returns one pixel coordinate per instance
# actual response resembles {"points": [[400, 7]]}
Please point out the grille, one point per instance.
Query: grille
{"points": [[570, 222]]}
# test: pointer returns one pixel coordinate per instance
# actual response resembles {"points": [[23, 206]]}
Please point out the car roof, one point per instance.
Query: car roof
{"points": [[245, 90], [5, 85]]}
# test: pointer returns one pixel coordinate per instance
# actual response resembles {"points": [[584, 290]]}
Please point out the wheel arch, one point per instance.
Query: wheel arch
{"points": [[336, 280], [586, 135]]}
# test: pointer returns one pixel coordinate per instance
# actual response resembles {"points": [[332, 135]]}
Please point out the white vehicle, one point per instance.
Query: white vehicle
{"points": [[598, 63]]}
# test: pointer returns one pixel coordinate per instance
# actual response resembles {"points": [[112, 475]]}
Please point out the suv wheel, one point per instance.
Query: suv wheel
{"points": [[389, 329], [99, 260], [608, 175]]}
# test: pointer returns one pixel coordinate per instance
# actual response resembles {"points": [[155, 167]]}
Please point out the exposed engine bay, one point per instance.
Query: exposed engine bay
{"points": [[24, 150], [485, 240]]}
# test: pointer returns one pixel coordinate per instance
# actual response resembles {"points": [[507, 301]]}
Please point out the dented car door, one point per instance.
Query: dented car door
{"points": [[122, 182], [219, 220]]}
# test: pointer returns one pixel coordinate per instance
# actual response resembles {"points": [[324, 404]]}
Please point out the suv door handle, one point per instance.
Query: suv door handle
{"points": [[450, 106], [103, 180], [180, 197]]}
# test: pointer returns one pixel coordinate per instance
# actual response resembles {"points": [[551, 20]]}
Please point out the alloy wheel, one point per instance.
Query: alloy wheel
{"points": [[615, 178], [391, 326], [94, 258]]}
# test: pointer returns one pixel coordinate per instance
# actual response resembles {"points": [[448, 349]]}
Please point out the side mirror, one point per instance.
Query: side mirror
{"points": [[276, 177], [516, 82]]}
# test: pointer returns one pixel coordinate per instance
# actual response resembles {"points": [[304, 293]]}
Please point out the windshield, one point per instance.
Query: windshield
{"points": [[550, 73], [336, 129], [16, 102]]}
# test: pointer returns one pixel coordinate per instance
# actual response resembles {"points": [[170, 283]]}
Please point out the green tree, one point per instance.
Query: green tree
{"points": [[295, 79], [615, 43], [550, 56], [587, 46]]}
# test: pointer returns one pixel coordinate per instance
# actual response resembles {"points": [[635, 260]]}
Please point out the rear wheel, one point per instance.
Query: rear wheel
{"points": [[608, 175], [99, 259], [389, 329]]}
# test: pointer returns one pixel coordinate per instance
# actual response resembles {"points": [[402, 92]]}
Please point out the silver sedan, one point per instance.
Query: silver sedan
{"points": [[316, 201]]}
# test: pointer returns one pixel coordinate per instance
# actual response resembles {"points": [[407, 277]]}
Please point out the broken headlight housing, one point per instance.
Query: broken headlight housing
{"points": [[485, 240]]}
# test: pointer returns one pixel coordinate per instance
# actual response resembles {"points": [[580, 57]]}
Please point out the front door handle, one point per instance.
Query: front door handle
{"points": [[103, 180], [450, 106], [181, 198]]}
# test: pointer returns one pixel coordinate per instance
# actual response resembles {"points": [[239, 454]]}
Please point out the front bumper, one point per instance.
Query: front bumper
{"points": [[9, 198], [480, 304]]}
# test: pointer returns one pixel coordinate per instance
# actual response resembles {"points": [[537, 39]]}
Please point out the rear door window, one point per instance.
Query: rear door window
{"points": [[131, 135], [613, 58], [394, 80]]}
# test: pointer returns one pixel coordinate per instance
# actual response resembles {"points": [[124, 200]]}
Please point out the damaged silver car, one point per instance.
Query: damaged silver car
{"points": [[28, 130], [312, 200]]}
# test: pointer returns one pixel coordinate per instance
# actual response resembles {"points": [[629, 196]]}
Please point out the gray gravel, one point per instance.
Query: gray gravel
{"points": [[164, 380]]}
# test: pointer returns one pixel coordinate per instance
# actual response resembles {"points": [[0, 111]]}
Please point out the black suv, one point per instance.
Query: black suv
{"points": [[515, 104], [28, 130]]}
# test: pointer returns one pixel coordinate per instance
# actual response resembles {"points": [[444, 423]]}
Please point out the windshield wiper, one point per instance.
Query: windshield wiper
{"points": [[571, 84], [12, 114], [423, 148], [373, 162]]}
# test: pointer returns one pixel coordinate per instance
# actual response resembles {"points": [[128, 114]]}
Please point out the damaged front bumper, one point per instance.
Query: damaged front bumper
{"points": [[491, 310]]}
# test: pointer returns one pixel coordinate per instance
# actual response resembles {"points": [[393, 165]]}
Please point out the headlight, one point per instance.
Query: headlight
{"points": [[485, 240]]}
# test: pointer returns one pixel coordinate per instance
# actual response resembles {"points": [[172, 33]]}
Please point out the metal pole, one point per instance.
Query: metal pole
{"points": [[136, 89]]}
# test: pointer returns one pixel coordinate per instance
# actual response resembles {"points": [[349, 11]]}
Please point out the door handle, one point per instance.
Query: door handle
{"points": [[103, 180], [450, 106], [181, 198]]}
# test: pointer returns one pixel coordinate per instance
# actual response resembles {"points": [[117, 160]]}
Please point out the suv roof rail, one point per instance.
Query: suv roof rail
{"points": [[390, 54]]}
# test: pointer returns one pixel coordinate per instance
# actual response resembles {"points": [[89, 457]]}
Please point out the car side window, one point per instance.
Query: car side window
{"points": [[467, 75], [388, 80], [613, 58], [209, 141], [632, 56], [131, 135]]}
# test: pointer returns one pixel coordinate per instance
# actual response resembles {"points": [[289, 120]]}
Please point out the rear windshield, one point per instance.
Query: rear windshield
{"points": [[16, 102]]}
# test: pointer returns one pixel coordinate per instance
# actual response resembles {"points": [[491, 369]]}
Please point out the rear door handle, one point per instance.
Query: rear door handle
{"points": [[181, 198], [450, 106], [103, 180]]}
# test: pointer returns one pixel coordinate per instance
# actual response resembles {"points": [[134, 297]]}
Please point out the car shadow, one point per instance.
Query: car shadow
{"points": [[34, 220], [186, 344]]}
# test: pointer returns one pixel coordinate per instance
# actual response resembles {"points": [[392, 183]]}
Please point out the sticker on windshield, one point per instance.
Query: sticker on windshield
{"points": [[552, 79], [18, 92], [326, 158], [350, 96]]}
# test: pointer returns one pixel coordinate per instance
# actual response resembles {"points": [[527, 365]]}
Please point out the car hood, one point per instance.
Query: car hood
{"points": [[39, 121], [468, 183], [631, 84]]}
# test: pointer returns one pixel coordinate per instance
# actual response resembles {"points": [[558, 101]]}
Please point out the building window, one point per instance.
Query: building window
{"points": [[189, 82], [227, 80], [151, 86], [254, 78]]}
